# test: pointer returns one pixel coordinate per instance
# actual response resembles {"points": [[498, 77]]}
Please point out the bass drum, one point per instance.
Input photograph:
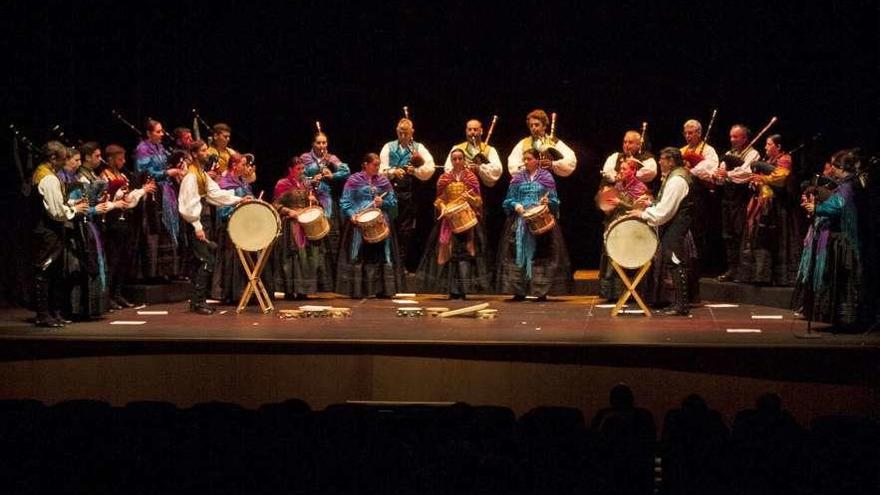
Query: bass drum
{"points": [[254, 225], [630, 242]]}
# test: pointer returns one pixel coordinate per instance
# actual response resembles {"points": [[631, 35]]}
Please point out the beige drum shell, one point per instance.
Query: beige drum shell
{"points": [[253, 225], [372, 224], [630, 242], [314, 223], [539, 219], [461, 217]]}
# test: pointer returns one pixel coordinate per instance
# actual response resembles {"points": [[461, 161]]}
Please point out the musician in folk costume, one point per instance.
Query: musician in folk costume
{"points": [[771, 244], [615, 201], [672, 212], [530, 264], [369, 268], [48, 246], [400, 161], [160, 227], [483, 160], [479, 157], [303, 266], [327, 174], [454, 262], [829, 279], [120, 232], [198, 191], [702, 161], [625, 175], [89, 296], [552, 153], [646, 165], [229, 277], [735, 174]]}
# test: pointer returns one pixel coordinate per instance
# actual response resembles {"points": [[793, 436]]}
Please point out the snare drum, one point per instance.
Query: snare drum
{"points": [[630, 242], [372, 224], [314, 223], [254, 225], [461, 217], [539, 219]]}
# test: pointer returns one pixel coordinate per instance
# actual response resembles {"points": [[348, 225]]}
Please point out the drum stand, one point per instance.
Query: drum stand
{"points": [[255, 286], [630, 288]]}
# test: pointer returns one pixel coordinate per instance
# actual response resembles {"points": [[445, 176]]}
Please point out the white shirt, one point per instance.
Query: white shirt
{"points": [[707, 166], [189, 203], [743, 173], [53, 199], [489, 172], [422, 173], [562, 167], [675, 190], [645, 174]]}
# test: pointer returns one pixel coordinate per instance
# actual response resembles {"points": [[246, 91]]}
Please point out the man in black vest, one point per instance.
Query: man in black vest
{"points": [[672, 212]]}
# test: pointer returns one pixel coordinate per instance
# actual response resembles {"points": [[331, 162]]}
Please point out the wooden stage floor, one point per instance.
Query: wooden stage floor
{"points": [[561, 321], [567, 351]]}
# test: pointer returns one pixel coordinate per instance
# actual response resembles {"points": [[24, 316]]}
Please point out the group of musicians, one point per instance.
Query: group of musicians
{"points": [[90, 236]]}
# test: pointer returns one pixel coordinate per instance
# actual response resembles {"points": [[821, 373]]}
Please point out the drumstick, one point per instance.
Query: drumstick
{"points": [[260, 197]]}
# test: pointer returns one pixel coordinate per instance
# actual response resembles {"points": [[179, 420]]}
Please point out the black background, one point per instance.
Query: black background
{"points": [[270, 71]]}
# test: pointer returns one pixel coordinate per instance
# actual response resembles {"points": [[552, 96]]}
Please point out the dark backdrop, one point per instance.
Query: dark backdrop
{"points": [[271, 70]]}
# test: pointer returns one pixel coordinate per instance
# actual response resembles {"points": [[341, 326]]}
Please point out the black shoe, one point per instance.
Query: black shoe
{"points": [[113, 305], [727, 276], [517, 298], [671, 311], [125, 303], [57, 316], [457, 296], [541, 298], [48, 322], [300, 297], [202, 309]]}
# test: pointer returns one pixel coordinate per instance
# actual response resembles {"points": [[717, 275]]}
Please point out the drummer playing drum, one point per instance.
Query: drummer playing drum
{"points": [[616, 200], [533, 261], [304, 262], [455, 258], [672, 212], [197, 191], [368, 263]]}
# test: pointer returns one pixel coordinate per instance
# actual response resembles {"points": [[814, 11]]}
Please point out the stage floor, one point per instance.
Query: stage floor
{"points": [[561, 321]]}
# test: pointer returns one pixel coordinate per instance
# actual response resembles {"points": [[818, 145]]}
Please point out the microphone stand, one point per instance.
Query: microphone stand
{"points": [[810, 302]]}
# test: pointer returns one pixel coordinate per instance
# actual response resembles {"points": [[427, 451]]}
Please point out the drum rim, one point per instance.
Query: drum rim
{"points": [[309, 210], [360, 215], [534, 210]]}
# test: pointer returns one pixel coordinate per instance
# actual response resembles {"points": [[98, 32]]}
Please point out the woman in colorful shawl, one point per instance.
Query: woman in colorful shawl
{"points": [[455, 263], [368, 268], [327, 173], [528, 264], [770, 247], [303, 266], [829, 279]]}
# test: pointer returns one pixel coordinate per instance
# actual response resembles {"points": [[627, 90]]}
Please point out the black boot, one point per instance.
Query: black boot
{"points": [[681, 304], [44, 319], [198, 300]]}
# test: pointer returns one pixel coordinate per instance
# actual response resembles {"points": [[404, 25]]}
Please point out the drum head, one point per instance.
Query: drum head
{"points": [[630, 242], [368, 216], [253, 225], [309, 215]]}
